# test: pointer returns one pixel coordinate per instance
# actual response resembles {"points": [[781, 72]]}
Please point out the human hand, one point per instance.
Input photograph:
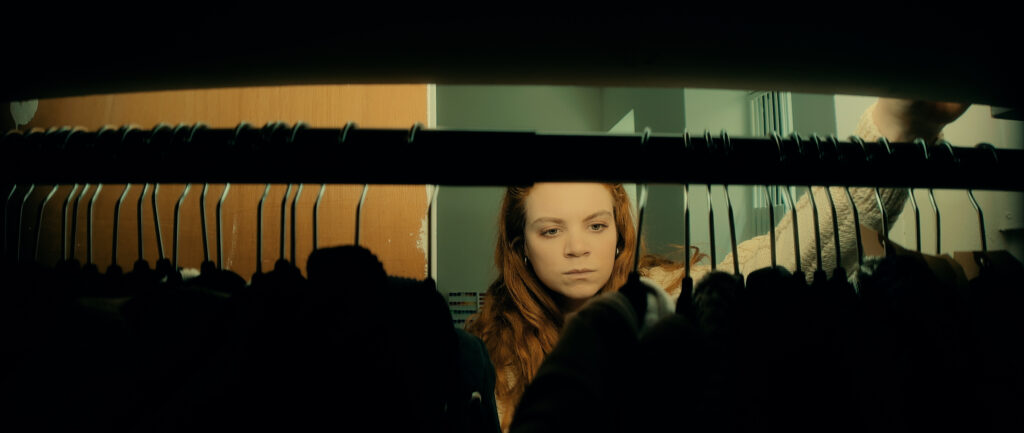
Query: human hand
{"points": [[905, 119]]}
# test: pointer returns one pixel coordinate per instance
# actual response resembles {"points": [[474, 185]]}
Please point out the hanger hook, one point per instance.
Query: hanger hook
{"points": [[686, 215], [177, 220], [316, 216], [39, 224], [294, 202], [92, 201], [641, 204], [156, 223], [970, 194], [117, 218], [156, 191], [853, 207], [259, 230], [831, 205], [64, 223], [814, 207], [878, 196], [343, 137], [430, 231], [284, 216], [727, 145], [202, 222], [74, 221], [789, 199], [138, 217], [21, 219], [708, 141], [220, 235]]}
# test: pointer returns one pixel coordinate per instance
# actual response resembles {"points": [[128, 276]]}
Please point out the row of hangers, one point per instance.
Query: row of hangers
{"points": [[980, 258], [76, 196], [278, 153], [723, 146]]}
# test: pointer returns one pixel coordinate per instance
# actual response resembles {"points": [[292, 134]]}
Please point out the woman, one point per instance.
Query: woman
{"points": [[561, 244]]}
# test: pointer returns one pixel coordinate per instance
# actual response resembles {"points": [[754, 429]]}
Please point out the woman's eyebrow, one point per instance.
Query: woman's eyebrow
{"points": [[602, 213], [598, 214]]}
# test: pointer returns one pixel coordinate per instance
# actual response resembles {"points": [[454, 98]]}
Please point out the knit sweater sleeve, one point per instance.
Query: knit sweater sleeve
{"points": [[756, 253]]}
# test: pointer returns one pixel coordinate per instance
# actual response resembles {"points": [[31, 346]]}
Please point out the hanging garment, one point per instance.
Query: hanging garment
{"points": [[593, 365]]}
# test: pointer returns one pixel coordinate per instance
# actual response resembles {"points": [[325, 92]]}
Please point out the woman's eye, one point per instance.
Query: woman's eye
{"points": [[549, 232], [598, 226]]}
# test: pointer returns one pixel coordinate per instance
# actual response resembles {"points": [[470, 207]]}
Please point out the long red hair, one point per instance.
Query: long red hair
{"points": [[521, 320]]}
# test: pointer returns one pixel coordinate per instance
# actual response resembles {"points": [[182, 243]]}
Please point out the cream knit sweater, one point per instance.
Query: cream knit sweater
{"points": [[755, 253]]}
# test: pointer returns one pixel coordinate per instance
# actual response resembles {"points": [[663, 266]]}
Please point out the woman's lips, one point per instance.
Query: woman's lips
{"points": [[579, 272]]}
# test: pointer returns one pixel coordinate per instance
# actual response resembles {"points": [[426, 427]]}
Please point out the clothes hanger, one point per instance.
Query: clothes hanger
{"points": [[64, 225], [633, 289], [881, 208], [835, 216], [789, 199], [853, 207], [295, 201], [727, 145], [88, 240], [913, 199], [39, 224], [177, 224], [163, 265], [974, 263], [114, 268], [819, 272], [21, 218], [259, 232], [641, 204], [282, 260], [220, 231], [711, 211], [74, 225], [687, 287], [316, 216], [141, 263]]}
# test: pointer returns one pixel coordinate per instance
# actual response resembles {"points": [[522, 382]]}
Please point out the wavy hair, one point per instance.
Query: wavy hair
{"points": [[521, 320]]}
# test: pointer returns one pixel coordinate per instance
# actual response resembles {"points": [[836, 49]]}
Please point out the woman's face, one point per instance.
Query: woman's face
{"points": [[570, 237]]}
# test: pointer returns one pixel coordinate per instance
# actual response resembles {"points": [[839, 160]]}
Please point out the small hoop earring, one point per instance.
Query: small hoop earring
{"points": [[616, 252], [526, 260]]}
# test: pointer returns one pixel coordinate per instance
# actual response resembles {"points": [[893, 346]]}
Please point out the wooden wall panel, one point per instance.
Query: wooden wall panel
{"points": [[394, 215]]}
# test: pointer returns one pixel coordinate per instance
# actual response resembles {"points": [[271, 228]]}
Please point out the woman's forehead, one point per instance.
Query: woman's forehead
{"points": [[567, 200]]}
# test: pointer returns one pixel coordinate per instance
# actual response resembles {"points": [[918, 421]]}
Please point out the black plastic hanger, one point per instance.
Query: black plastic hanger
{"points": [[39, 223], [74, 226], [64, 224], [792, 205], [163, 264], [832, 207], [177, 228], [711, 212], [21, 219], [259, 233], [114, 268], [819, 272], [633, 289], [727, 145], [853, 207]]}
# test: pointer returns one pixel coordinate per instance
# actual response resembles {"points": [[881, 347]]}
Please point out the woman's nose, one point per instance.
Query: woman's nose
{"points": [[576, 246]]}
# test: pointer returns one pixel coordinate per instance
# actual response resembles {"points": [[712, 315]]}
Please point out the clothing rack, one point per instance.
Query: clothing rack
{"points": [[279, 153]]}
